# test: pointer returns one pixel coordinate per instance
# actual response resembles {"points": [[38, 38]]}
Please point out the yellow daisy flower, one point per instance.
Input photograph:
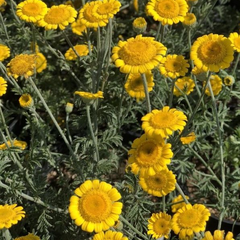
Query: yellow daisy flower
{"points": [[173, 66], [138, 55], [159, 225], [22, 65], [30, 236], [160, 184], [163, 122], [4, 52], [139, 25], [189, 220], [175, 205], [190, 19], [26, 101], [185, 84], [235, 40], [16, 143], [218, 235], [69, 107], [167, 11], [41, 62], [3, 86], [149, 155], [109, 235], [212, 52], [191, 137], [134, 85], [95, 206], [81, 49], [10, 215], [216, 84], [135, 5], [106, 9], [88, 97], [87, 18], [229, 80], [78, 28], [58, 16], [3, 3], [31, 10]]}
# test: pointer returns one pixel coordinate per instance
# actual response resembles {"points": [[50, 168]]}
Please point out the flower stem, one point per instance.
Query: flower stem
{"points": [[181, 193], [171, 93], [6, 234], [235, 65], [5, 30], [146, 92], [67, 126]]}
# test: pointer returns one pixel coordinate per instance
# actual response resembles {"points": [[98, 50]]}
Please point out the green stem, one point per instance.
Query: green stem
{"points": [[144, 80], [68, 131], [6, 234], [235, 65], [171, 93], [5, 30], [181, 193], [120, 104]]}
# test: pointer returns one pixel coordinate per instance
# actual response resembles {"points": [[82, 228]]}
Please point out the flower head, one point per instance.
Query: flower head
{"points": [[22, 65], [109, 235], [134, 85], [160, 184], [218, 235], [173, 66], [81, 49], [138, 55], [216, 84], [58, 16], [149, 155], [31, 10], [159, 225], [190, 19], [30, 236], [41, 62], [78, 28], [4, 52], [10, 215], [3, 86], [135, 5], [16, 143], [26, 101], [69, 107], [189, 220], [183, 85], [191, 137], [235, 40], [229, 80], [95, 206], [212, 52], [88, 97], [175, 205], [163, 122], [3, 3], [139, 25], [167, 11]]}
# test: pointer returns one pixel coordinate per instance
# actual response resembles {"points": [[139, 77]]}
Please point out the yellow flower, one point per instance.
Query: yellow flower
{"points": [[173, 66], [218, 235], [22, 65], [81, 49], [159, 225], [138, 55], [177, 205], [212, 52], [4, 52], [87, 18], [163, 122], [216, 84], [160, 184], [10, 215], [139, 25], [135, 5], [19, 144], [109, 235], [229, 80], [189, 220], [88, 97], [235, 40], [41, 62], [3, 3], [134, 85], [69, 107], [106, 9], [191, 137], [185, 84], [78, 28], [26, 101], [190, 19], [167, 11], [3, 86], [95, 206], [30, 236], [31, 10], [58, 16], [199, 73], [149, 155]]}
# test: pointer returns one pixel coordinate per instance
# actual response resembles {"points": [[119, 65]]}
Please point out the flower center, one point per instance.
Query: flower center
{"points": [[167, 8], [138, 52], [163, 120], [31, 9], [95, 206], [161, 226], [26, 99], [137, 84], [189, 218], [157, 182], [57, 15], [6, 215], [173, 65], [237, 42], [148, 153], [211, 52], [105, 8]]}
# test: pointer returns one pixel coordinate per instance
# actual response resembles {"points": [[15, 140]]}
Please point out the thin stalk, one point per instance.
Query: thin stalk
{"points": [[67, 126], [235, 65], [5, 30], [89, 42], [163, 203], [189, 46], [92, 133], [6, 234], [181, 193], [171, 93], [160, 26], [221, 156], [144, 80], [120, 104]]}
